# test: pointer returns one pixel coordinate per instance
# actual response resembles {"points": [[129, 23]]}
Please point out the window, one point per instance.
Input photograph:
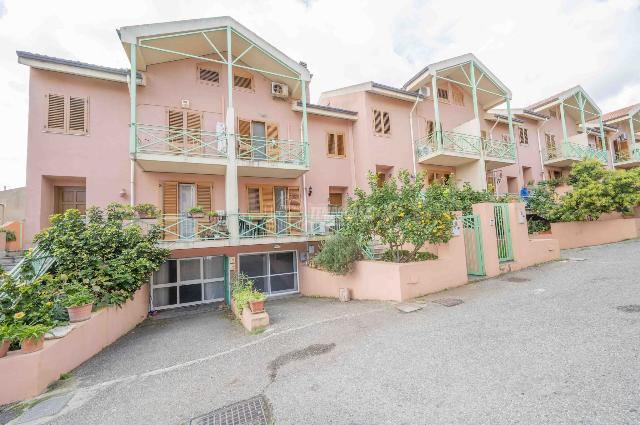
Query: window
{"points": [[381, 123], [443, 95], [271, 272], [243, 81], [335, 202], [549, 138], [178, 121], [431, 127], [267, 199], [208, 75], [438, 176], [254, 199], [524, 136], [67, 114], [458, 96], [335, 144]]}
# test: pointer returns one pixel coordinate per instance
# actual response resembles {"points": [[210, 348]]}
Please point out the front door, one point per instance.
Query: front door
{"points": [[70, 198], [258, 140], [186, 201]]}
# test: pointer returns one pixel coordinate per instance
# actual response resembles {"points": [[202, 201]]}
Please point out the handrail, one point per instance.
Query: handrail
{"points": [[632, 155], [267, 149], [276, 224], [184, 142], [41, 262], [185, 228], [573, 150], [499, 149], [448, 141]]}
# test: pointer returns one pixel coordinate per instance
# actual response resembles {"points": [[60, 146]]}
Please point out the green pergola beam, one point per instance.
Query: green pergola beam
{"points": [[633, 133], [436, 109], [181, 34], [474, 92], [133, 86], [564, 122], [214, 47], [265, 52], [582, 120], [188, 55], [510, 118]]}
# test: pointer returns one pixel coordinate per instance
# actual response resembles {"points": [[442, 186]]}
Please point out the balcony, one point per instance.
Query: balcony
{"points": [[628, 159], [448, 148], [498, 153], [179, 150], [566, 154], [265, 157]]}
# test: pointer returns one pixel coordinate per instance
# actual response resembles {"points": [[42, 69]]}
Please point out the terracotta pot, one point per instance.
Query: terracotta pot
{"points": [[4, 347], [30, 345], [80, 313], [196, 215], [256, 306], [142, 216]]}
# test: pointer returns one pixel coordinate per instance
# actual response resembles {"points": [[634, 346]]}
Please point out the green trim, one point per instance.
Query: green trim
{"points": [[632, 131], [503, 232], [436, 110], [305, 129], [181, 34], [510, 118], [133, 86], [564, 123]]}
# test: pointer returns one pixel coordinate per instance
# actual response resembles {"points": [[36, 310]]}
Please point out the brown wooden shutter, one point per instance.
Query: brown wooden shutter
{"points": [[55, 112], [204, 199], [194, 128], [170, 210], [331, 144], [243, 82], [386, 122], [293, 205], [340, 144], [377, 121], [244, 131], [253, 194], [77, 115], [273, 148], [209, 75], [267, 202], [175, 120]]}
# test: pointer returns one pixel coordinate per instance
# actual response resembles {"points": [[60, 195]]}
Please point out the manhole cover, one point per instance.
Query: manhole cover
{"points": [[248, 412], [448, 302], [631, 308], [515, 279]]}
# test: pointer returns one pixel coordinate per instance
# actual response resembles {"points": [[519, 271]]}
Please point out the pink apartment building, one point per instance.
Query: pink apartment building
{"points": [[218, 118]]}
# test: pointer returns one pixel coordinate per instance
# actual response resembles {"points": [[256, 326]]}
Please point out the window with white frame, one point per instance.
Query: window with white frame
{"points": [[188, 281], [271, 272]]}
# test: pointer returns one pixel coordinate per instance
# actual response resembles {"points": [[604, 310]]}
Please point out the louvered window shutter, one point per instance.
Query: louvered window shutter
{"points": [[340, 144], [175, 120], [204, 194], [194, 127], [253, 194], [55, 112], [243, 82], [273, 147], [77, 115], [377, 122], [331, 144], [170, 210], [386, 122], [244, 139], [267, 202], [294, 207], [209, 75]]}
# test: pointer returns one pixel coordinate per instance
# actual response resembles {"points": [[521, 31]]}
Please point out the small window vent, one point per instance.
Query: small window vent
{"points": [[209, 75]]}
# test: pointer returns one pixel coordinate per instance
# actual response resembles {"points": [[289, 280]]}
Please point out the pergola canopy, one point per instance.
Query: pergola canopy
{"points": [[574, 99], [490, 90], [206, 39]]}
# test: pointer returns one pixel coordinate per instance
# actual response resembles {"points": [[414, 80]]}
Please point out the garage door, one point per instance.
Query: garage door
{"points": [[271, 272], [188, 281]]}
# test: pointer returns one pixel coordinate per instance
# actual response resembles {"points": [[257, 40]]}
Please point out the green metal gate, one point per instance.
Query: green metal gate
{"points": [[473, 244], [503, 232], [227, 282]]}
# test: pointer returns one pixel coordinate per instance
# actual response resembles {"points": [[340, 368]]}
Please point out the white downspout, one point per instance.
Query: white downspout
{"points": [[413, 142], [493, 172], [538, 128], [132, 183]]}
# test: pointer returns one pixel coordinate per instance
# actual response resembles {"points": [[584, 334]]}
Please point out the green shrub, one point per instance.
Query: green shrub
{"points": [[11, 235], [623, 188], [77, 295], [31, 331], [147, 210], [338, 253], [420, 256], [8, 332], [29, 302], [538, 226], [243, 292]]}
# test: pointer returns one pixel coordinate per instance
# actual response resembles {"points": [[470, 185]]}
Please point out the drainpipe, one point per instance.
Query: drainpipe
{"points": [[132, 183], [304, 202], [413, 142], [493, 172], [538, 128]]}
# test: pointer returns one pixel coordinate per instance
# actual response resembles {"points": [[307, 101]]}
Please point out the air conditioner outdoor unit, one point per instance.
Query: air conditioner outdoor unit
{"points": [[424, 91], [318, 228], [279, 90]]}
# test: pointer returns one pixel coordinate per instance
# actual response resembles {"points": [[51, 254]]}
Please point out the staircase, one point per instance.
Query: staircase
{"points": [[375, 249], [8, 262]]}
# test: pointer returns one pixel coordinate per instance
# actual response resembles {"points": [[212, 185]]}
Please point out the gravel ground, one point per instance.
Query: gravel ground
{"points": [[546, 345]]}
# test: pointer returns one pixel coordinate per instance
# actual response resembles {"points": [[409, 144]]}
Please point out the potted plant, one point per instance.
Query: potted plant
{"points": [[31, 337], [196, 212], [146, 211], [79, 301], [7, 335], [256, 302], [213, 216], [245, 294]]}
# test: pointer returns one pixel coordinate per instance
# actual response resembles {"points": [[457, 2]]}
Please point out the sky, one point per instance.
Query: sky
{"points": [[537, 48]]}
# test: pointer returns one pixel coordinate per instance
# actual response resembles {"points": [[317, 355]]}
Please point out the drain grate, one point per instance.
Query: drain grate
{"points": [[631, 308], [515, 279], [247, 412], [448, 302]]}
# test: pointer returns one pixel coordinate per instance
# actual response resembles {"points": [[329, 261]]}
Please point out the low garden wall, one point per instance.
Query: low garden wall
{"points": [[381, 280], [26, 375], [578, 234]]}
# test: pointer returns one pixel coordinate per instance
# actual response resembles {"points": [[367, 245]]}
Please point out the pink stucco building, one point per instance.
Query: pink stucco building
{"points": [[219, 120]]}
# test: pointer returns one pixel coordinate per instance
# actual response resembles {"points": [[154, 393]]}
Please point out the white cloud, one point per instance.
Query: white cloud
{"points": [[535, 48]]}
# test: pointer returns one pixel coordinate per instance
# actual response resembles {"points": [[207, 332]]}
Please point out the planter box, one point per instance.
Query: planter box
{"points": [[26, 375], [251, 321]]}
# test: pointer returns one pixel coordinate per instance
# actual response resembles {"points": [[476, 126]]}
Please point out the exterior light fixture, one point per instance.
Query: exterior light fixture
{"points": [[310, 191]]}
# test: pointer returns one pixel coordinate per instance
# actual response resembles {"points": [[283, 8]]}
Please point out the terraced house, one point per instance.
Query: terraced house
{"points": [[213, 125]]}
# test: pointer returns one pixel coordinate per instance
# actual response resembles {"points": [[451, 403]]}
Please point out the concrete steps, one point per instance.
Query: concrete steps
{"points": [[9, 262]]}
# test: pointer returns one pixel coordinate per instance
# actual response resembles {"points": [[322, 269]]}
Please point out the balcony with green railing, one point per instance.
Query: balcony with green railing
{"points": [[565, 154], [180, 150], [448, 148], [628, 158], [498, 153], [271, 225], [269, 157]]}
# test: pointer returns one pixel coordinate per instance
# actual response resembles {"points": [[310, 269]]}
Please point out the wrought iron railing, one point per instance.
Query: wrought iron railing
{"points": [[448, 141], [184, 228], [272, 150], [325, 224], [630, 155], [277, 224], [569, 150], [499, 149], [180, 142]]}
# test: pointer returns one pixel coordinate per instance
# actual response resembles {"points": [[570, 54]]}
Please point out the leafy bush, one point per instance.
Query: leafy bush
{"points": [[109, 258], [28, 302], [338, 253], [588, 198], [243, 292], [538, 226], [420, 256], [77, 295], [452, 198], [11, 235], [8, 332], [399, 214], [147, 210], [543, 200], [31, 331], [623, 189]]}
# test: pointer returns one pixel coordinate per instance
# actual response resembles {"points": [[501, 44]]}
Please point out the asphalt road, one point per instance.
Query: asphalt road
{"points": [[546, 345]]}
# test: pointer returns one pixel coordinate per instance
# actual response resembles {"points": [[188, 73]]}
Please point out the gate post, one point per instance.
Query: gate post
{"points": [[489, 239], [519, 231]]}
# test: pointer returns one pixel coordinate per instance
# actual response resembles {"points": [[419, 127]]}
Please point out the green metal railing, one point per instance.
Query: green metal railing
{"points": [[624, 156], [448, 141], [569, 150], [271, 225], [326, 224], [503, 231], [499, 149], [182, 142], [272, 150], [183, 228]]}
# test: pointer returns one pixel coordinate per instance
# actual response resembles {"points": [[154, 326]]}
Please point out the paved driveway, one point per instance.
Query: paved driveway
{"points": [[546, 345]]}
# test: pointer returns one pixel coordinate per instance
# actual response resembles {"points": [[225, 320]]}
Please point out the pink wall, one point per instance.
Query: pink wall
{"points": [[577, 234]]}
